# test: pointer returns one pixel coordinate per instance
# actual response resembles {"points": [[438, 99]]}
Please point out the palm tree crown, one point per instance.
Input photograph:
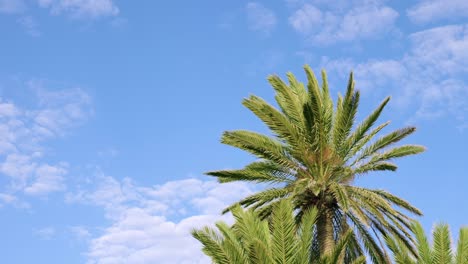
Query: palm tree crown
{"points": [[256, 241], [313, 158]]}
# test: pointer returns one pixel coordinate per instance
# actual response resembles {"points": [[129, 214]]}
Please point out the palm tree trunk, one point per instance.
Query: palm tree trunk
{"points": [[325, 232]]}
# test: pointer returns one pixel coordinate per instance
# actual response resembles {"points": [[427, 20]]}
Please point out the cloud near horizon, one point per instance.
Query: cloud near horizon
{"points": [[153, 224]]}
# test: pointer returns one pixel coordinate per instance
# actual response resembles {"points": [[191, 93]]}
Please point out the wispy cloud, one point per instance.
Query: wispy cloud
{"points": [[152, 224], [23, 131], [12, 200], [307, 19], [260, 18], [81, 8], [321, 24], [75, 9], [81, 233], [46, 233], [430, 76], [30, 25], [59, 110], [434, 10], [442, 48], [12, 6], [48, 179]]}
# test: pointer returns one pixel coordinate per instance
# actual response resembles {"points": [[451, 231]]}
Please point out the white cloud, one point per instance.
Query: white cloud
{"points": [[12, 200], [80, 232], [59, 110], [260, 18], [368, 75], [8, 199], [23, 132], [443, 49], [369, 19], [81, 8], [140, 237], [429, 77], [48, 179], [30, 25], [306, 19], [448, 97], [12, 6], [8, 110], [19, 168], [46, 233], [434, 10], [76, 9], [153, 224]]}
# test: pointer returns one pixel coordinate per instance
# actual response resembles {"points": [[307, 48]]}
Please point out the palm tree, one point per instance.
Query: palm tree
{"points": [[314, 157], [439, 253], [256, 241]]}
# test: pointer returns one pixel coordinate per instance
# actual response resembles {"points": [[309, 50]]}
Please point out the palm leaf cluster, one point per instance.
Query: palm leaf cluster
{"points": [[315, 154], [279, 240], [441, 251]]}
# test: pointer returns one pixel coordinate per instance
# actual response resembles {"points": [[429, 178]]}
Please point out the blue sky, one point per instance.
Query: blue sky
{"points": [[110, 112]]}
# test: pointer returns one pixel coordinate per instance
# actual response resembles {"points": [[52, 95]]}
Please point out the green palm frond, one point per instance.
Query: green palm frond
{"points": [[340, 247], [278, 239], [400, 253], [375, 252], [341, 196], [212, 245], [360, 260], [461, 257], [280, 124], [439, 253], [424, 248], [398, 201], [345, 115], [259, 145], [233, 247], [262, 171], [261, 198], [284, 241], [384, 142], [442, 251], [259, 252], [289, 99], [366, 139], [305, 233], [360, 132]]}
